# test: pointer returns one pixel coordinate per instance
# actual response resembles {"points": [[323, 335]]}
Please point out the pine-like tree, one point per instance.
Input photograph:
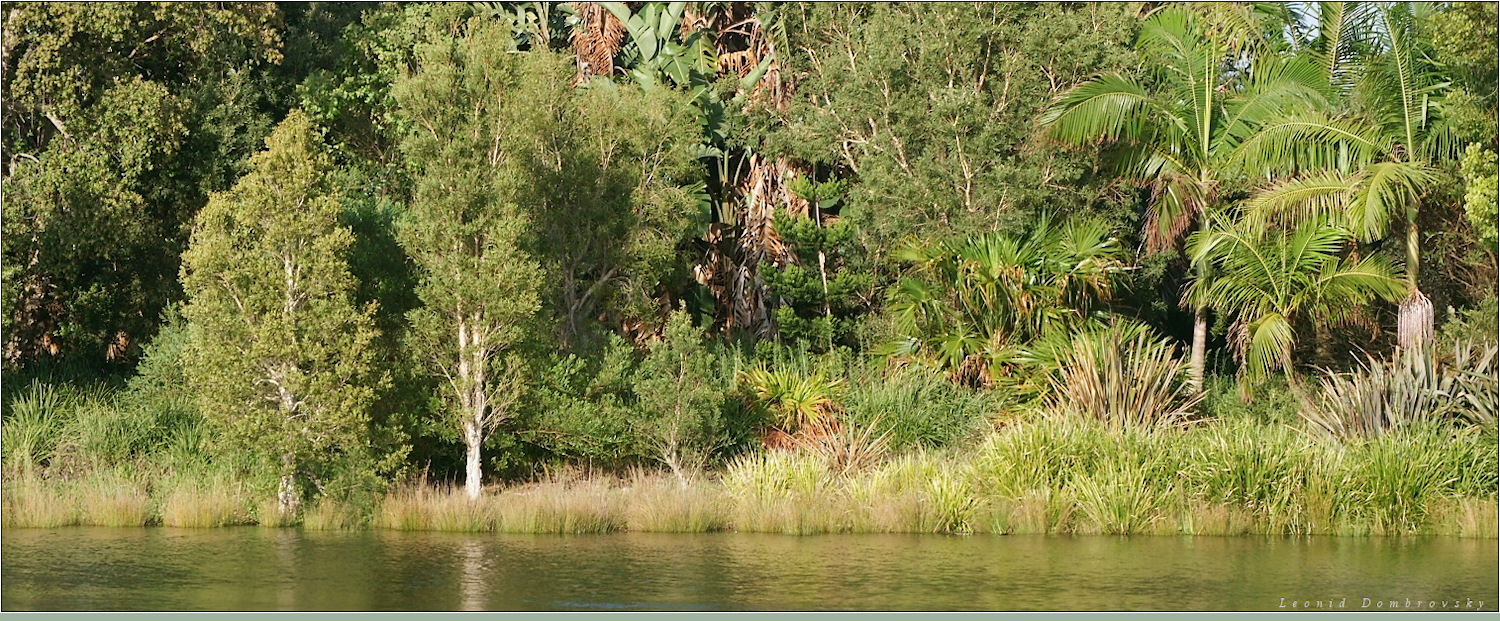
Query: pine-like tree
{"points": [[280, 355]]}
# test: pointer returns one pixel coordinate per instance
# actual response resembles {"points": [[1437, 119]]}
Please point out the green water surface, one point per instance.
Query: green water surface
{"points": [[258, 569]]}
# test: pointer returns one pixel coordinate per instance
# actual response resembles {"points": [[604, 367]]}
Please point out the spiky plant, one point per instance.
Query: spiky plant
{"points": [[1416, 384], [1124, 378], [795, 402], [851, 448]]}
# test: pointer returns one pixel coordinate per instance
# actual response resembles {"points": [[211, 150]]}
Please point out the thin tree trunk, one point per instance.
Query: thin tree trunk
{"points": [[289, 500], [1414, 315], [473, 474], [1200, 343], [472, 403]]}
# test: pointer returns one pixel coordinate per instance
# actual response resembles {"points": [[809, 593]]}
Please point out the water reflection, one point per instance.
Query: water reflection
{"points": [[285, 569], [472, 579]]}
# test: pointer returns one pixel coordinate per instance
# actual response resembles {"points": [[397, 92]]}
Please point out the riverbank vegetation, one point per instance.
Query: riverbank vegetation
{"points": [[691, 267]]}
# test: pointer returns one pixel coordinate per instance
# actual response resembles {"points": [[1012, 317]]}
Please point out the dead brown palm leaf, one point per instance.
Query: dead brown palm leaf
{"points": [[597, 39]]}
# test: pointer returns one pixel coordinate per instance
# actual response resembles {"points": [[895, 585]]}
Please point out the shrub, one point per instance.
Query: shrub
{"points": [[1413, 385], [1274, 401], [1109, 376], [681, 396], [917, 408]]}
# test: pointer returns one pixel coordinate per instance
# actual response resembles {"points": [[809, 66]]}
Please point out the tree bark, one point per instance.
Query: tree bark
{"points": [[1414, 314], [473, 474], [1200, 343], [473, 401], [288, 498]]}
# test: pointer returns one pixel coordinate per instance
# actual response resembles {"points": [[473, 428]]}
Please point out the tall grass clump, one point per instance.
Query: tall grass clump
{"points": [[331, 514], [32, 426], [1124, 377], [1261, 469], [559, 507], [916, 407], [419, 507], [32, 502], [109, 498], [201, 501], [1040, 454], [656, 504], [1121, 498], [783, 491]]}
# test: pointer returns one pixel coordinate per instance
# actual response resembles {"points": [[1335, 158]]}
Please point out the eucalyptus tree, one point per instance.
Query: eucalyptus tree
{"points": [[1270, 280], [280, 355], [1189, 129], [1371, 155], [478, 115]]}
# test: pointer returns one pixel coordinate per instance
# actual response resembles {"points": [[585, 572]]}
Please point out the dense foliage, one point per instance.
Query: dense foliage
{"points": [[318, 249]]}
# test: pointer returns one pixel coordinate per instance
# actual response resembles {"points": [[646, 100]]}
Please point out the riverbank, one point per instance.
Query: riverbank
{"points": [[1060, 477]]}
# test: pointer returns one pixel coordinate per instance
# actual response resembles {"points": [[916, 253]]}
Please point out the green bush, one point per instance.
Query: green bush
{"points": [[1124, 377], [917, 406], [1271, 400]]}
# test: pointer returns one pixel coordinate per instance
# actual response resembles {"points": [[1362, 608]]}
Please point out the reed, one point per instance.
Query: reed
{"points": [[111, 499], [193, 502], [30, 502]]}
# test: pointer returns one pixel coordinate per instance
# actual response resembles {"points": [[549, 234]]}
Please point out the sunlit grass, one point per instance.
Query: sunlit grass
{"points": [[192, 502], [1044, 477], [30, 502], [111, 499]]}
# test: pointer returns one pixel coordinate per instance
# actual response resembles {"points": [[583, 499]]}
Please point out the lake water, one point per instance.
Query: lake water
{"points": [[286, 569]]}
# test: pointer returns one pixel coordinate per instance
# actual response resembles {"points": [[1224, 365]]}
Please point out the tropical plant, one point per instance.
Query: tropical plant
{"points": [[1373, 153], [1269, 280], [970, 305], [795, 401], [1415, 384], [1194, 131], [1124, 378]]}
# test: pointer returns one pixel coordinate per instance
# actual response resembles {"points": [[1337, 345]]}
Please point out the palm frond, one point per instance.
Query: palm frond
{"points": [[1318, 197], [1109, 107]]}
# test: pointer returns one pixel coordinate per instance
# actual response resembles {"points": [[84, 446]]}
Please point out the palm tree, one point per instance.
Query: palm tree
{"points": [[972, 304], [1189, 134], [1271, 279], [1372, 156]]}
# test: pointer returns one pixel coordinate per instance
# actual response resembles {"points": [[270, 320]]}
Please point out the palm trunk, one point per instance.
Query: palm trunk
{"points": [[1414, 316], [1200, 344]]}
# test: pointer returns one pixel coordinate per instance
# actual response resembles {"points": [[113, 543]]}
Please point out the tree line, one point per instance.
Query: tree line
{"points": [[472, 236]]}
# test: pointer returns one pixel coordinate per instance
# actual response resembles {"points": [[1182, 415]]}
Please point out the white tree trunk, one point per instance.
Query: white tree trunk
{"points": [[474, 476], [288, 498]]}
